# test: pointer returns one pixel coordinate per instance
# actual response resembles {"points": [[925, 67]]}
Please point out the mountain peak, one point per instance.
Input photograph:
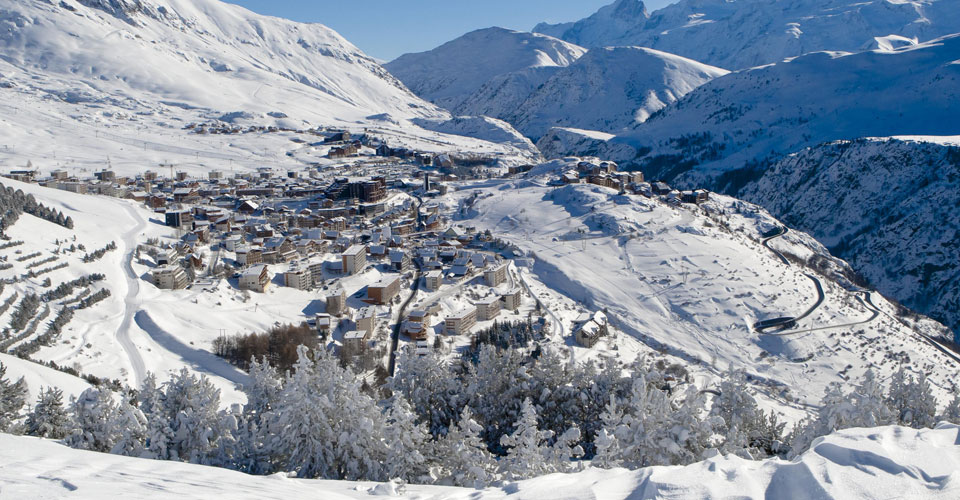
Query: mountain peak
{"points": [[739, 34]]}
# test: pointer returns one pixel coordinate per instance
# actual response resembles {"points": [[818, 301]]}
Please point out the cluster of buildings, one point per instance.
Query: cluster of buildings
{"points": [[605, 174], [323, 230]]}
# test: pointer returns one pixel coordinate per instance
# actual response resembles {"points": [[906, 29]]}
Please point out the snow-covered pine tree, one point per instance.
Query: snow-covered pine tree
{"points": [[323, 425], [463, 454], [188, 424], [131, 426], [94, 419], [264, 389], [497, 386], [646, 413], [49, 418], [864, 406], [912, 400], [434, 393], [748, 430], [263, 392], [565, 449], [13, 395], [609, 453], [150, 396], [405, 441], [952, 412], [528, 452]]}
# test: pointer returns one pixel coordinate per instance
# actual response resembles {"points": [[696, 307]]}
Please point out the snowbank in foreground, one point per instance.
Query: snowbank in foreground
{"points": [[879, 462]]}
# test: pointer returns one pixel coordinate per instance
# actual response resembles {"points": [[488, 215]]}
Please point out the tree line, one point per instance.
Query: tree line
{"points": [[502, 416]]}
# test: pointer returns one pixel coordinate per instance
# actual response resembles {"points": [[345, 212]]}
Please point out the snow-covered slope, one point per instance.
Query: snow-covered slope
{"points": [[867, 463], [887, 206], [121, 78], [692, 280], [739, 34], [200, 53], [448, 75], [779, 109], [610, 89], [536, 82], [39, 377]]}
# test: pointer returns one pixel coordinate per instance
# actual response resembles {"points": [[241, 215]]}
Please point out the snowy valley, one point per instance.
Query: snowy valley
{"points": [[240, 257]]}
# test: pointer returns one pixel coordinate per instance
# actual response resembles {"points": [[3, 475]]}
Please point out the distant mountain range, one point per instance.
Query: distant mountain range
{"points": [[737, 34], [536, 82]]}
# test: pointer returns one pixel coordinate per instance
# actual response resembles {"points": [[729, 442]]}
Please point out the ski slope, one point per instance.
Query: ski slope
{"points": [[692, 281]]}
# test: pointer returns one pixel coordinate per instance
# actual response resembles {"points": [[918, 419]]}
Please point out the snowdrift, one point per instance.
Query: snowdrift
{"points": [[862, 463]]}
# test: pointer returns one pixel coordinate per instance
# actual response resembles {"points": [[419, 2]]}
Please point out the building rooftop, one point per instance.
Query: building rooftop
{"points": [[355, 250]]}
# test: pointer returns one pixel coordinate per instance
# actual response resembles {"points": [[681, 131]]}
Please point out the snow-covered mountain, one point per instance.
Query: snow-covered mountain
{"points": [[537, 82], [449, 74], [887, 206], [609, 89], [708, 137], [201, 53], [871, 462], [146, 68], [738, 34]]}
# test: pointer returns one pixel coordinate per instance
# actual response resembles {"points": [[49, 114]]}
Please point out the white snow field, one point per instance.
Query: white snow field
{"points": [[692, 281], [873, 463], [168, 64]]}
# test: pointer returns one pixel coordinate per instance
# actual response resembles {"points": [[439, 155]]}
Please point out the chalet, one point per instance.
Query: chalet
{"points": [[248, 207], [589, 329], [343, 151], [571, 177], [342, 136], [324, 324], [660, 188], [185, 195], [399, 260], [248, 256]]}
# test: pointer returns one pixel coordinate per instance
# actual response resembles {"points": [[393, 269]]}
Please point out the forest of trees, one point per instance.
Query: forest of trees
{"points": [[277, 345], [502, 416], [15, 202]]}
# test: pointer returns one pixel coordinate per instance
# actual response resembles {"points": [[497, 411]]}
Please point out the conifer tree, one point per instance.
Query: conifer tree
{"points": [[94, 415], [527, 447], [464, 455], [13, 395], [49, 418]]}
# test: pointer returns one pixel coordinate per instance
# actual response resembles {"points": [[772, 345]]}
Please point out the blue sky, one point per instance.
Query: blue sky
{"points": [[388, 28]]}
